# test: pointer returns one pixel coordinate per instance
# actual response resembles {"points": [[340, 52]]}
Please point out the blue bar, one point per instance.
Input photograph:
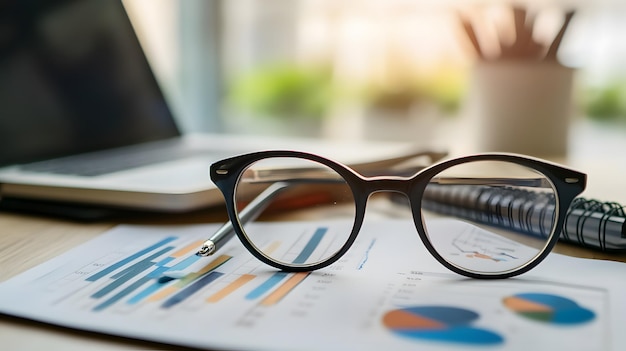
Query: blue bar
{"points": [[146, 292], [277, 277], [165, 261], [140, 268], [142, 262], [185, 263], [124, 261], [155, 274], [266, 285], [191, 289], [310, 246], [120, 295], [136, 285], [161, 282], [129, 273]]}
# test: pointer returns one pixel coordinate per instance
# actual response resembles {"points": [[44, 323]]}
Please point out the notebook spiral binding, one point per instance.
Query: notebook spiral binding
{"points": [[589, 223], [606, 210]]}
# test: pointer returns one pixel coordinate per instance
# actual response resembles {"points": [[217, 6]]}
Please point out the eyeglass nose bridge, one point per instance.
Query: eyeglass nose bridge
{"points": [[388, 184]]}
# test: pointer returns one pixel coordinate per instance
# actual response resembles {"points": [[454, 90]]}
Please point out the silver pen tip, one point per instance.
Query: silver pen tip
{"points": [[207, 249]]}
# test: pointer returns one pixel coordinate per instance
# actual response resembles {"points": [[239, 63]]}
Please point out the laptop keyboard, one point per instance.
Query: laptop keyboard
{"points": [[91, 165]]}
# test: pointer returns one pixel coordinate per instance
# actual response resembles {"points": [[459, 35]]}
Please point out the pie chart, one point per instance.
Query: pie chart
{"points": [[548, 308], [439, 323]]}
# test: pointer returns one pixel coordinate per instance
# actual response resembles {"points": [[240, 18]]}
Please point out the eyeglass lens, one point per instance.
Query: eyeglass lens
{"points": [[489, 217], [308, 185], [485, 217]]}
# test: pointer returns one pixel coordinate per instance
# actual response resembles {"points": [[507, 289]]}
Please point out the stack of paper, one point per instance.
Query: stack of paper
{"points": [[386, 293]]}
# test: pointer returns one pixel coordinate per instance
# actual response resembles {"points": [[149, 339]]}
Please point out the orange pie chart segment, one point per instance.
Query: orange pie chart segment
{"points": [[548, 308], [402, 319]]}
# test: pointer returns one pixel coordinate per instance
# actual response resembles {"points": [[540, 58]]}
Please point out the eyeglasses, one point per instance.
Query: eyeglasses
{"points": [[481, 216]]}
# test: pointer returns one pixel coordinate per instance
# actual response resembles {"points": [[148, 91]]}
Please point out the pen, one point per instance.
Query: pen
{"points": [[556, 43], [249, 213], [471, 35], [524, 46], [226, 231]]}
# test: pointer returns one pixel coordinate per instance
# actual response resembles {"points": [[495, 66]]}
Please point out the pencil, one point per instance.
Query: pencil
{"points": [[554, 47]]}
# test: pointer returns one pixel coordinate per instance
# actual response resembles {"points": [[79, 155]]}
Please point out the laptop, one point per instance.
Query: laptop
{"points": [[83, 120]]}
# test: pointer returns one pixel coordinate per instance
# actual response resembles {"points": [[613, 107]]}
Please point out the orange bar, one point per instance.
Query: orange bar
{"points": [[220, 260], [239, 282], [183, 251], [163, 293], [284, 289], [181, 283], [271, 248]]}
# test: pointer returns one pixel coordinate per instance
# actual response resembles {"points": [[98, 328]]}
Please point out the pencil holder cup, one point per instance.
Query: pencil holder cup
{"points": [[521, 106]]}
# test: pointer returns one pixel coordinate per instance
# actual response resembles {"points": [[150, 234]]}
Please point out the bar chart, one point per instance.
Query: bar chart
{"points": [[137, 277]]}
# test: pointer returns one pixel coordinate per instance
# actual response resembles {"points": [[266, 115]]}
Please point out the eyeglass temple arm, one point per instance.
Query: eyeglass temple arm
{"points": [[249, 213], [304, 175], [406, 162], [528, 182], [398, 166]]}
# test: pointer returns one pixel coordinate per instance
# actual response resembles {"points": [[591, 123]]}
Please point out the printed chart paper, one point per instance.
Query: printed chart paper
{"points": [[386, 293]]}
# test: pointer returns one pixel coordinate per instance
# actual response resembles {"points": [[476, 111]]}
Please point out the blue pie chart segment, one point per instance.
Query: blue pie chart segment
{"points": [[439, 323], [548, 308]]}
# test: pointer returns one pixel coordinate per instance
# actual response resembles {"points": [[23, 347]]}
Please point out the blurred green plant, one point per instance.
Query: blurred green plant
{"points": [[443, 87], [607, 103], [284, 91], [447, 87], [290, 91]]}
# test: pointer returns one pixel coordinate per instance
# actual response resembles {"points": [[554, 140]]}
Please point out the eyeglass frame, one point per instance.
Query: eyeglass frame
{"points": [[566, 182]]}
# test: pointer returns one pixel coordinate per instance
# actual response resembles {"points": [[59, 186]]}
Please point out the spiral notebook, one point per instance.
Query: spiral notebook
{"points": [[590, 223]]}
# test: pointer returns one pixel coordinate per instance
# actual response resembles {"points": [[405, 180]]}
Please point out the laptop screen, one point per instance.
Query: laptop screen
{"points": [[73, 79]]}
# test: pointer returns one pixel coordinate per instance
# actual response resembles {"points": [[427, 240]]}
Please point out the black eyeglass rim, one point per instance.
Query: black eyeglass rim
{"points": [[568, 184]]}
